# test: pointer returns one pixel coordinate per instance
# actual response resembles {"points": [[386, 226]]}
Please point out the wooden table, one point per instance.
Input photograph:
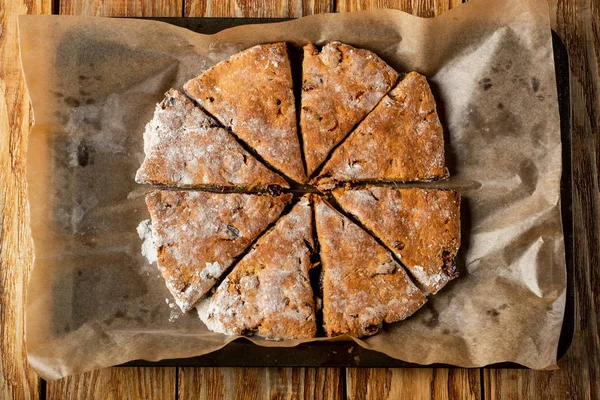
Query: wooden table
{"points": [[576, 21]]}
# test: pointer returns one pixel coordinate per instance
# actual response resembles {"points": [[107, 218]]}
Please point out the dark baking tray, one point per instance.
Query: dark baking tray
{"points": [[243, 353]]}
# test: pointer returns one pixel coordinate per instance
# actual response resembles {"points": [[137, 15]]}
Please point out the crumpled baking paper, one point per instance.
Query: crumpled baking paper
{"points": [[94, 301]]}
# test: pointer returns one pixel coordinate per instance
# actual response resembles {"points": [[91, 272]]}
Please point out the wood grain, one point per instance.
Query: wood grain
{"points": [[241, 8], [260, 383], [116, 384], [412, 384], [578, 24], [259, 8], [17, 379], [310, 7], [116, 8], [421, 8]]}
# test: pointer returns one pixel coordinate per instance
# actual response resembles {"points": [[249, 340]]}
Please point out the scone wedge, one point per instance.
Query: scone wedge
{"points": [[251, 93], [363, 286], [422, 227], [187, 148], [340, 85], [400, 140], [268, 292], [198, 235]]}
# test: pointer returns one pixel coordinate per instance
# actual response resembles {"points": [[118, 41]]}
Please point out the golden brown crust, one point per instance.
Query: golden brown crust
{"points": [[400, 140], [269, 290], [251, 93], [422, 227], [199, 234], [186, 148], [340, 85], [362, 284]]}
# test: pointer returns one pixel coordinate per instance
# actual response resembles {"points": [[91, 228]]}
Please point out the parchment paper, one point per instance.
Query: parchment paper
{"points": [[94, 301]]}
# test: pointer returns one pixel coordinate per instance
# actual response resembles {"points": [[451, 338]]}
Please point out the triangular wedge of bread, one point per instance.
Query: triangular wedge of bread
{"points": [[340, 85], [251, 93], [422, 227], [363, 286], [400, 140], [186, 148], [268, 292], [198, 235]]}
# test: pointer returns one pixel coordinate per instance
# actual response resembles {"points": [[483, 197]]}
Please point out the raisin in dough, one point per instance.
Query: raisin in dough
{"points": [[198, 235], [269, 291], [363, 286], [340, 85], [251, 93]]}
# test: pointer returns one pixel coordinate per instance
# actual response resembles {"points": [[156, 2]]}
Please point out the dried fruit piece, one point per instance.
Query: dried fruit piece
{"points": [[363, 286], [198, 235], [269, 292], [340, 85], [251, 93]]}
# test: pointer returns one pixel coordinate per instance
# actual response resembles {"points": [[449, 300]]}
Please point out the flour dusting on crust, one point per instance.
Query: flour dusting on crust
{"points": [[268, 292], [251, 93], [363, 286], [400, 140], [144, 231], [340, 85], [420, 226], [186, 148], [198, 235]]}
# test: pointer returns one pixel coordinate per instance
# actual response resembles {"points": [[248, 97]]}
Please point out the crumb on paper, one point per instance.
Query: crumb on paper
{"points": [[144, 231], [175, 310]]}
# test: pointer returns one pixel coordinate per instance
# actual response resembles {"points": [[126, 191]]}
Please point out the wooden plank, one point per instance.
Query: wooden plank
{"points": [[578, 25], [17, 379], [310, 7], [422, 8], [260, 383], [116, 384], [412, 383], [245, 8], [117, 8], [522, 384], [456, 382]]}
